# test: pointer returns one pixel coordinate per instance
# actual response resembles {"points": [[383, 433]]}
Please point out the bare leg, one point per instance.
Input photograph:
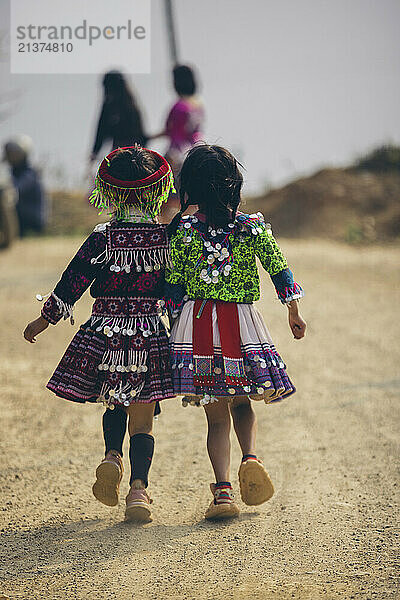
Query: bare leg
{"points": [[245, 424], [255, 483], [140, 418], [218, 440]]}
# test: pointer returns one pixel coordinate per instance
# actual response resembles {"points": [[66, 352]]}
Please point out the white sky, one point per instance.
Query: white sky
{"points": [[289, 85]]}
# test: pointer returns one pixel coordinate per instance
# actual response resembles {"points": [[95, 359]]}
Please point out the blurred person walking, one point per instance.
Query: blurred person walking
{"points": [[31, 200], [120, 118], [183, 126]]}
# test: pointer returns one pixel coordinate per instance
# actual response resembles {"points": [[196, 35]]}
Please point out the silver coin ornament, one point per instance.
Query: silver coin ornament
{"points": [[215, 255]]}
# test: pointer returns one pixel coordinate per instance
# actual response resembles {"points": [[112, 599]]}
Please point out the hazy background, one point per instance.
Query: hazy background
{"points": [[289, 86]]}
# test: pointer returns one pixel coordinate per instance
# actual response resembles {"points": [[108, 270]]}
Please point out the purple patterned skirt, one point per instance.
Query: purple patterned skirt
{"points": [[265, 369], [120, 356]]}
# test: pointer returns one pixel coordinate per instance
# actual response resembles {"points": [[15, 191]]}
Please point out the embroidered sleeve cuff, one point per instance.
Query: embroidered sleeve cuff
{"points": [[290, 293], [286, 288], [175, 297], [55, 309]]}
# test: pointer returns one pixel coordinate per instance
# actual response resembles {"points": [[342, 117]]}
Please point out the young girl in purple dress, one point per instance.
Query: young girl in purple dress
{"points": [[119, 357]]}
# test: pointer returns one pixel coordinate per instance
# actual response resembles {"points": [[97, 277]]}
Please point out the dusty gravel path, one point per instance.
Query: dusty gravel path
{"points": [[330, 529]]}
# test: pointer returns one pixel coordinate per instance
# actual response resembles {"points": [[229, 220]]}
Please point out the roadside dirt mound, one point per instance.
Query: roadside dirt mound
{"points": [[341, 204], [351, 205]]}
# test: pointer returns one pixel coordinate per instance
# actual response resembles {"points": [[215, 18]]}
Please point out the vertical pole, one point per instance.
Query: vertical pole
{"points": [[171, 33]]}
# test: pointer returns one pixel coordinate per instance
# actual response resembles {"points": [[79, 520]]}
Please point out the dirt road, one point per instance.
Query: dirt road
{"points": [[330, 529]]}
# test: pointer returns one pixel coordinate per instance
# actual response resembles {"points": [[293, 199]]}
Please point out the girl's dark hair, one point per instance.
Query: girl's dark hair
{"points": [[210, 177], [134, 163], [184, 80]]}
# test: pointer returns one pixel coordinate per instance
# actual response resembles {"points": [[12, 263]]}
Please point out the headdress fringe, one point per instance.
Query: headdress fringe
{"points": [[149, 198]]}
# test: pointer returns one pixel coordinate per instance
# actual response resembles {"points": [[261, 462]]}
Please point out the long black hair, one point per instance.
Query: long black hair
{"points": [[210, 177], [116, 88], [120, 118]]}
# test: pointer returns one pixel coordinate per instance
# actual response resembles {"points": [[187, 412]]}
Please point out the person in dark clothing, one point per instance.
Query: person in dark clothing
{"points": [[31, 200], [120, 118]]}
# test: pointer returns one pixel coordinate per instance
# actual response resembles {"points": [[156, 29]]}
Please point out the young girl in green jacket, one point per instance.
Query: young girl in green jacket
{"points": [[222, 354]]}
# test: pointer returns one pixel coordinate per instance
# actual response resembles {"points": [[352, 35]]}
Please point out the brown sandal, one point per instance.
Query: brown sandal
{"points": [[138, 506], [255, 484], [223, 505], [108, 478]]}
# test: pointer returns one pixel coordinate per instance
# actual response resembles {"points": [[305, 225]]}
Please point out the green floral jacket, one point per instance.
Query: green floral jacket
{"points": [[220, 263]]}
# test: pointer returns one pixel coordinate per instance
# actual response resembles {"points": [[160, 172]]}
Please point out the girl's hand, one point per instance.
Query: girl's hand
{"points": [[297, 325], [296, 322], [34, 328]]}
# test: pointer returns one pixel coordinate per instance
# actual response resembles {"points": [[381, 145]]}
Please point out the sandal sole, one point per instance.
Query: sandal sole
{"points": [[255, 484], [140, 513], [228, 511], [106, 487]]}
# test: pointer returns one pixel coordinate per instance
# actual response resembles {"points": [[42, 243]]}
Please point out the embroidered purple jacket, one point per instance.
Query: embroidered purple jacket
{"points": [[121, 260]]}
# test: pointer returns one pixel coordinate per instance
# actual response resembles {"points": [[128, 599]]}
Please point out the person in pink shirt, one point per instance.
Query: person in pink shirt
{"points": [[185, 120], [183, 126]]}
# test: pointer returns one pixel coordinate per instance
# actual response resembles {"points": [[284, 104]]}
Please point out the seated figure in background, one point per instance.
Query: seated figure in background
{"points": [[31, 201]]}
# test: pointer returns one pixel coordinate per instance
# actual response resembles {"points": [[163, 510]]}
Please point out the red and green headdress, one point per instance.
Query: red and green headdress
{"points": [[147, 194]]}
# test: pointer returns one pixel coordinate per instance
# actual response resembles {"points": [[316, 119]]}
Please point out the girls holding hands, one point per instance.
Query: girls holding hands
{"points": [[221, 355]]}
